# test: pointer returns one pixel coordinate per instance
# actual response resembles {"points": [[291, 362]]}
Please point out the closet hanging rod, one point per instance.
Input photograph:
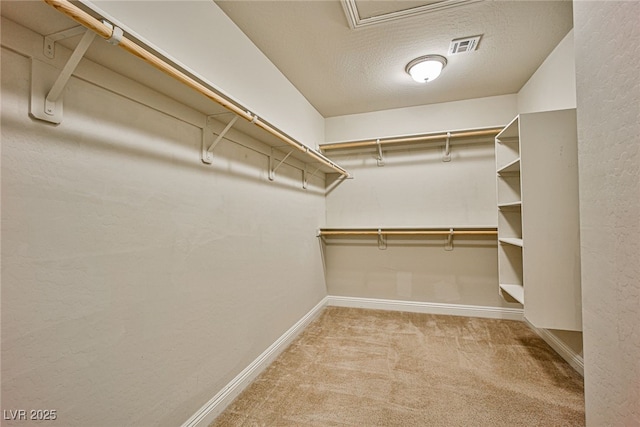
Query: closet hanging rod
{"points": [[410, 139], [104, 31], [406, 232]]}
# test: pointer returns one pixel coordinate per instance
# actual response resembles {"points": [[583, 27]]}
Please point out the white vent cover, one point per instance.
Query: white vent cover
{"points": [[464, 45]]}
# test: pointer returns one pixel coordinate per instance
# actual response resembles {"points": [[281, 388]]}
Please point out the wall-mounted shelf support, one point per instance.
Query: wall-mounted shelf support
{"points": [[448, 242], [447, 149], [46, 90], [379, 159], [207, 152], [382, 240], [306, 175], [62, 80], [272, 159], [51, 39]]}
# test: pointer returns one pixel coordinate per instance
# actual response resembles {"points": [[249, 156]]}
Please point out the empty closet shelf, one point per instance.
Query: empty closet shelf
{"points": [[511, 241], [511, 167], [510, 205], [514, 290]]}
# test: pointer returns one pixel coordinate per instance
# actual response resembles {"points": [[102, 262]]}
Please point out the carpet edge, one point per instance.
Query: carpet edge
{"points": [[218, 403]]}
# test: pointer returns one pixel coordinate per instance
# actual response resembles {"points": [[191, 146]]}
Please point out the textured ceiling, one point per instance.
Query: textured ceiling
{"points": [[344, 71]]}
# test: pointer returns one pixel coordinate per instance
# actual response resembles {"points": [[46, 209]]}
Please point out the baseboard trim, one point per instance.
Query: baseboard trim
{"points": [[427, 307], [214, 407], [571, 357]]}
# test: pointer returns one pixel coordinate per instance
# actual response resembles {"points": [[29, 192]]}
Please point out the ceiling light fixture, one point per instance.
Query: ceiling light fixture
{"points": [[426, 68]]}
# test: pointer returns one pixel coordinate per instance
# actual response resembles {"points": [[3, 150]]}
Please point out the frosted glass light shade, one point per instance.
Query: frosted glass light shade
{"points": [[426, 68]]}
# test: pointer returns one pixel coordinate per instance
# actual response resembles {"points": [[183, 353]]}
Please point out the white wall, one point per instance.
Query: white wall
{"points": [[448, 116], [415, 270], [137, 281], [553, 85], [415, 188], [607, 40], [199, 36]]}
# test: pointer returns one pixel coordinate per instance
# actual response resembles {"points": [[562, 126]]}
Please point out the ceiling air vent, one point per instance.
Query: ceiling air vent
{"points": [[464, 45]]}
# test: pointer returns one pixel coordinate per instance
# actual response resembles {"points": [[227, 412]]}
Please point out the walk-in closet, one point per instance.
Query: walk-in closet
{"points": [[320, 213]]}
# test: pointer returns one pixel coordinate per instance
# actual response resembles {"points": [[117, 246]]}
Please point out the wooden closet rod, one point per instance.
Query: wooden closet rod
{"points": [[410, 139], [104, 31], [407, 232]]}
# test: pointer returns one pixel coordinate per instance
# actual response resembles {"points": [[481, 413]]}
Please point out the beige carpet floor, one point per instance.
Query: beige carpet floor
{"points": [[356, 367]]}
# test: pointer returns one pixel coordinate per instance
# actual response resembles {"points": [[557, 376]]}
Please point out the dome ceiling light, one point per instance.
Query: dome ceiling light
{"points": [[426, 68]]}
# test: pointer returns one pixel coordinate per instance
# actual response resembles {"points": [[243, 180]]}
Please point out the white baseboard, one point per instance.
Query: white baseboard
{"points": [[214, 407], [571, 357], [427, 307]]}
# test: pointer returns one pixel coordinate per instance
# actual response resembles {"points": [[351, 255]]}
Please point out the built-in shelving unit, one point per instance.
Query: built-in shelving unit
{"points": [[538, 234], [509, 217]]}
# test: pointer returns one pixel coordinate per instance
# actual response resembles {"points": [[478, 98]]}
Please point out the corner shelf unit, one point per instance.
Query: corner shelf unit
{"points": [[538, 229]]}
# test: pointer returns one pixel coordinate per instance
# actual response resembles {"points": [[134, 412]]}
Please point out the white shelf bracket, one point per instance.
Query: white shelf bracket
{"points": [[51, 39], [46, 89], [447, 149], [207, 149], [306, 175], [273, 169], [382, 240], [379, 159], [448, 242]]}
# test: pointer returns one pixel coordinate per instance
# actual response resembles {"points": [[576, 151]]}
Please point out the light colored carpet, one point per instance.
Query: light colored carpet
{"points": [[356, 367]]}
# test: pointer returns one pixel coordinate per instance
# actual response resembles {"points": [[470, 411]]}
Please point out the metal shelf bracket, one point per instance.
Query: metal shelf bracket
{"points": [[382, 240], [306, 175], [447, 149], [448, 242], [272, 160], [207, 150], [47, 88], [51, 39], [379, 159]]}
